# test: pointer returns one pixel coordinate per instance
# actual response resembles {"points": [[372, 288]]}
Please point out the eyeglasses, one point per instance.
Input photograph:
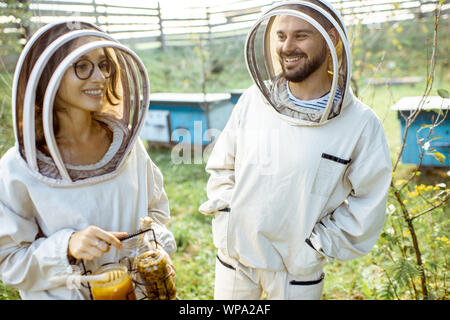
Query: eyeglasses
{"points": [[85, 68]]}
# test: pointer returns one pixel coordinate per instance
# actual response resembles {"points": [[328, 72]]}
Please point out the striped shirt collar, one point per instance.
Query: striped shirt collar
{"points": [[315, 104]]}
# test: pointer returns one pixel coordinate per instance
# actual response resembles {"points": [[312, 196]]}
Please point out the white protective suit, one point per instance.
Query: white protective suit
{"points": [[43, 201], [290, 189]]}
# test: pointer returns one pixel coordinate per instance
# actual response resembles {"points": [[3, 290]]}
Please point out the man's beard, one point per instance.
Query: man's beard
{"points": [[309, 67]]}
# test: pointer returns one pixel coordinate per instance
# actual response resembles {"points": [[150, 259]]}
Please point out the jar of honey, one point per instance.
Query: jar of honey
{"points": [[116, 285], [156, 273], [154, 270]]}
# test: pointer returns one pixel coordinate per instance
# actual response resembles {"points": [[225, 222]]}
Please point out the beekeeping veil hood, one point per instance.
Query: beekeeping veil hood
{"points": [[51, 51], [265, 67]]}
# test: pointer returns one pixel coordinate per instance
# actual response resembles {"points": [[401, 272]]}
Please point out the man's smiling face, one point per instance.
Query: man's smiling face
{"points": [[301, 48]]}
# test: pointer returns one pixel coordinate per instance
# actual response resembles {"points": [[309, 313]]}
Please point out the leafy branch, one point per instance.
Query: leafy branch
{"points": [[407, 216]]}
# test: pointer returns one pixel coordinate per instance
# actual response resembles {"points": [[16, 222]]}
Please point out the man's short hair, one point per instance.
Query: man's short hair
{"points": [[323, 21]]}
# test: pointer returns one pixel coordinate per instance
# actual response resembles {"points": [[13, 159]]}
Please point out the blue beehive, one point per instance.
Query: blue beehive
{"points": [[236, 94], [186, 117], [417, 136]]}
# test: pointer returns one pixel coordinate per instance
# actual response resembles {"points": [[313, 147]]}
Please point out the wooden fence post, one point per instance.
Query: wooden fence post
{"points": [[94, 6], [106, 17], [27, 33], [161, 29], [208, 17]]}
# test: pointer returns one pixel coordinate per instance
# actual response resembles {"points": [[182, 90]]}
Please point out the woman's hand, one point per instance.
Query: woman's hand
{"points": [[92, 242]]}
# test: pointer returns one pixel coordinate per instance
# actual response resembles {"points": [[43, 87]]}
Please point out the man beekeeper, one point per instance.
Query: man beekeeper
{"points": [[300, 174]]}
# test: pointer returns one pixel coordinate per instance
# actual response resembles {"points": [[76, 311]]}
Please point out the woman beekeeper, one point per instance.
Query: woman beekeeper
{"points": [[78, 178], [300, 173]]}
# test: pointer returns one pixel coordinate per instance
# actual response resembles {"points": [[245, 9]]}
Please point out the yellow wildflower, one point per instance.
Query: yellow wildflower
{"points": [[420, 187], [444, 240], [405, 201], [412, 194]]}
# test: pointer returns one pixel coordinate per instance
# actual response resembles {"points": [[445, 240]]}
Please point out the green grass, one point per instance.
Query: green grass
{"points": [[7, 293]]}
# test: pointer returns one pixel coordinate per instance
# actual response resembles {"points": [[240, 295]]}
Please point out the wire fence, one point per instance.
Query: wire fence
{"points": [[151, 24]]}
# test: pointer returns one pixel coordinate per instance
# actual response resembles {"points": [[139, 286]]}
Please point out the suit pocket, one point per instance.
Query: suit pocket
{"points": [[307, 283], [306, 290], [220, 229], [311, 260], [330, 171]]}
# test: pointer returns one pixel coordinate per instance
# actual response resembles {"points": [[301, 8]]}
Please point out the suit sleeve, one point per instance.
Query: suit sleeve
{"points": [[353, 228], [28, 260], [221, 165]]}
